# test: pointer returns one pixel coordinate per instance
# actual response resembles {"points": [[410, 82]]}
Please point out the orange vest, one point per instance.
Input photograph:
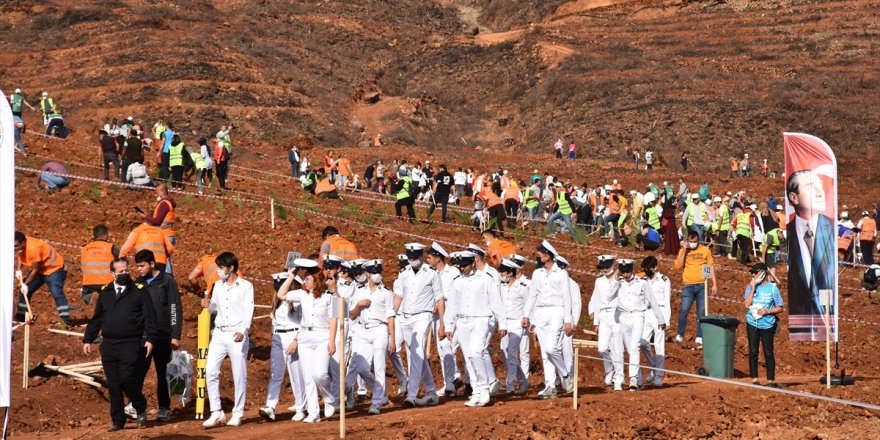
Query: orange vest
{"points": [[613, 207], [489, 198], [498, 250], [869, 227], [95, 259], [324, 186], [209, 271], [843, 243], [168, 223], [342, 248], [38, 251], [512, 191], [328, 164], [344, 165], [148, 237]]}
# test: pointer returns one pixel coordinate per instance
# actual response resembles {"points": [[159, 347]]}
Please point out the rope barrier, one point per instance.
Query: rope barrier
{"points": [[802, 394]]}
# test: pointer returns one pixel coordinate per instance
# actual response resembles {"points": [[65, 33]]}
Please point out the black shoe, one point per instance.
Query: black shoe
{"points": [[141, 421], [115, 428], [458, 383], [468, 390]]}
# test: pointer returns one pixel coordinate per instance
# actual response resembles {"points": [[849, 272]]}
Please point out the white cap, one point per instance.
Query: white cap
{"points": [[509, 264], [607, 187], [716, 199], [17, 90], [649, 197], [753, 207], [332, 261], [746, 155], [558, 185], [546, 247], [505, 172], [562, 260], [437, 249], [518, 259], [414, 247], [606, 261], [219, 133], [476, 250], [695, 196], [614, 181], [304, 263], [665, 183], [45, 94], [625, 265]]}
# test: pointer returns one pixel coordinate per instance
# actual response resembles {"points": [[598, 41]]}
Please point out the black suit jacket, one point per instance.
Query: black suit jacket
{"points": [[803, 294], [125, 317]]}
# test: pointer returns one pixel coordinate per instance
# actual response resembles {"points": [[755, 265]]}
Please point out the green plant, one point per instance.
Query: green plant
{"points": [[280, 210], [95, 191], [215, 247], [238, 202], [218, 205], [580, 235]]}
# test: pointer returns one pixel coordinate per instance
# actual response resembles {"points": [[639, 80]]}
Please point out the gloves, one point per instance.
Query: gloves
{"points": [[18, 274], [24, 289]]}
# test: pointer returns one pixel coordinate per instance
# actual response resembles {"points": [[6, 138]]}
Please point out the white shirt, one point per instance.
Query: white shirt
{"points": [[286, 316], [635, 297], [381, 306], [514, 297], [448, 274], [316, 312], [550, 289], [662, 291], [801, 228], [460, 178], [233, 304], [475, 295], [604, 297], [649, 156], [576, 302], [206, 154], [491, 271], [419, 290]]}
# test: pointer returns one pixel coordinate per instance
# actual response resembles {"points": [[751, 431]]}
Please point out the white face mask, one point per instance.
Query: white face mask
{"points": [[693, 245], [362, 278], [158, 198], [222, 274], [376, 278], [505, 278], [415, 264]]}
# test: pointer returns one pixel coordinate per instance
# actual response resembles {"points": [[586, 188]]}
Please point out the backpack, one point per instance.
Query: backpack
{"points": [[413, 189]]}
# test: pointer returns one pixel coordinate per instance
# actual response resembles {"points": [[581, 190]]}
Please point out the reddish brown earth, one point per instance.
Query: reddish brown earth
{"points": [[716, 79]]}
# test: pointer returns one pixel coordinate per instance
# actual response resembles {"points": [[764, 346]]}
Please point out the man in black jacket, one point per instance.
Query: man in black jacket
{"points": [[109, 154], [125, 318], [165, 296]]}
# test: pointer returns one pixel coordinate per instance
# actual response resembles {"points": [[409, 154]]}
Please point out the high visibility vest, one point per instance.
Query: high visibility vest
{"points": [[198, 160], [209, 271], [530, 204], [743, 225], [168, 223], [17, 101], [344, 165], [723, 218], [328, 164], [498, 250], [47, 105], [175, 155], [311, 178], [512, 192], [613, 207], [151, 238], [324, 186], [404, 189], [38, 251], [771, 241], [562, 203], [489, 198], [843, 242], [653, 217], [869, 228], [342, 248], [95, 259], [158, 129], [693, 211]]}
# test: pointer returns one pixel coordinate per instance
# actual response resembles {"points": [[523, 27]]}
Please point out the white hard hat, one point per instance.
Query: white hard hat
{"points": [[649, 197], [716, 199], [614, 182], [17, 90], [45, 94]]}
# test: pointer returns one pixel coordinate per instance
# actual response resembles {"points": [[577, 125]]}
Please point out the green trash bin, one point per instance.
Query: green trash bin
{"points": [[719, 339]]}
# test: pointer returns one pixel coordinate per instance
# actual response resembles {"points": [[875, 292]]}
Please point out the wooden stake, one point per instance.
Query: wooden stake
{"points": [[828, 338], [27, 349], [705, 297], [78, 376], [341, 338], [262, 306], [272, 202], [66, 332], [574, 399], [428, 341], [262, 316]]}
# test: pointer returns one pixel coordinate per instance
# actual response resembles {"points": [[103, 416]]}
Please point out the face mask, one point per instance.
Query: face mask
{"points": [[362, 278], [505, 278], [376, 278], [488, 243], [122, 278], [693, 245], [415, 264], [222, 274]]}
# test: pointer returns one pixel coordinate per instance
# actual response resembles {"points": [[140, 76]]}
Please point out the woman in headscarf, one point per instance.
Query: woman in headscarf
{"points": [[668, 227]]}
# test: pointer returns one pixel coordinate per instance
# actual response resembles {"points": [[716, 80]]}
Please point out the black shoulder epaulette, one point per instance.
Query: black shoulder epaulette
{"points": [[663, 277]]}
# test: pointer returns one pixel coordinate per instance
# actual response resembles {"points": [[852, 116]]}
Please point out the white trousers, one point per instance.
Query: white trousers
{"points": [[399, 370], [315, 363], [631, 325], [415, 331], [567, 357], [448, 364], [280, 362], [222, 344], [610, 342], [515, 352], [657, 357], [548, 323], [474, 334], [368, 349]]}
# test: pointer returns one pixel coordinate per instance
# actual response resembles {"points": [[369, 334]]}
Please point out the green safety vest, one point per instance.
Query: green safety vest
{"points": [[771, 241], [530, 204], [17, 101], [198, 160], [310, 178], [743, 227], [562, 203], [227, 141], [404, 190], [158, 130], [47, 109], [653, 217], [692, 211], [175, 155], [723, 217]]}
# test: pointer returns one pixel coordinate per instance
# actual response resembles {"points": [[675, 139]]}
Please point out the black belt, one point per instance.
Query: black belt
{"points": [[286, 330]]}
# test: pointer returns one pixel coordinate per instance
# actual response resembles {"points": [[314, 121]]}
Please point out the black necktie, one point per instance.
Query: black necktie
{"points": [[119, 291], [808, 239]]}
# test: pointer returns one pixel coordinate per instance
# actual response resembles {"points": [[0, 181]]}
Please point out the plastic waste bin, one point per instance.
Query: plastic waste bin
{"points": [[719, 339]]}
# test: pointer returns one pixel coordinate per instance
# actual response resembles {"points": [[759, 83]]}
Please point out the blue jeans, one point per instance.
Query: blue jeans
{"points": [[168, 264], [55, 282], [533, 214], [689, 294], [53, 181], [699, 229], [566, 218]]}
